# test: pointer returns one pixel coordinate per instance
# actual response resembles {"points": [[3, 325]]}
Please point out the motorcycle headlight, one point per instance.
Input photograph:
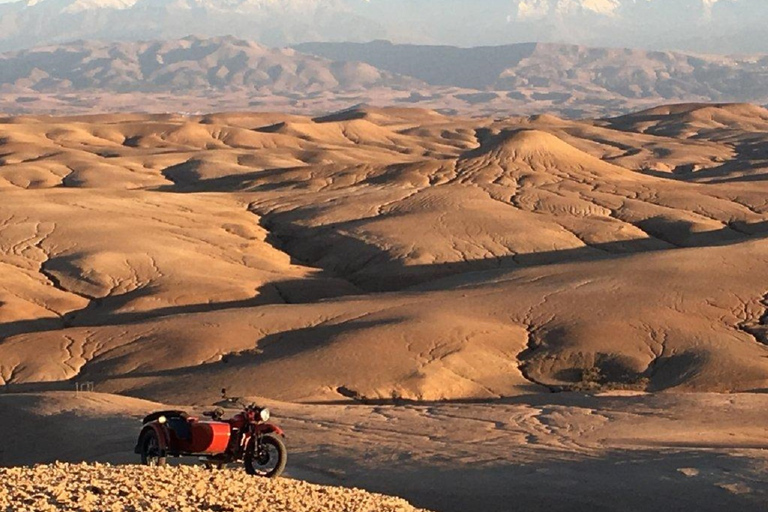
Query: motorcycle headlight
{"points": [[162, 419], [264, 414]]}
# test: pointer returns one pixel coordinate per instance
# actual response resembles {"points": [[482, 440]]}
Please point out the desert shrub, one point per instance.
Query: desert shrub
{"points": [[591, 375], [593, 379]]}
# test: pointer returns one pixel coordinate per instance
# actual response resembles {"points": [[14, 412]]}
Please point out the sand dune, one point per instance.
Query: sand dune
{"points": [[380, 254]]}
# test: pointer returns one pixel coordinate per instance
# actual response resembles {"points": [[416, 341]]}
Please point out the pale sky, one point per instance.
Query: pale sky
{"points": [[706, 26]]}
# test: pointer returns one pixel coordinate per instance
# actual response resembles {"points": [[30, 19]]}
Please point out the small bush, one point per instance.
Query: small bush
{"points": [[591, 375], [593, 380]]}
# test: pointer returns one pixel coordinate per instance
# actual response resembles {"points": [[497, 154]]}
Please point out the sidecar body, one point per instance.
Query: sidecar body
{"points": [[179, 434]]}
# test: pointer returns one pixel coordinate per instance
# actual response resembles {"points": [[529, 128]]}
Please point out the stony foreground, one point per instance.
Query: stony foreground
{"points": [[99, 487]]}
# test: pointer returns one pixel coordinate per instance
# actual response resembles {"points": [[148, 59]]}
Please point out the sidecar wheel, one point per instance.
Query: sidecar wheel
{"points": [[268, 459], [151, 454]]}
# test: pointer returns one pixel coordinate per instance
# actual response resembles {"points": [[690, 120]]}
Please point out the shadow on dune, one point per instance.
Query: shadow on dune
{"points": [[210, 375], [751, 156], [272, 347], [375, 270], [106, 311], [101, 312], [749, 165], [186, 180], [619, 480]]}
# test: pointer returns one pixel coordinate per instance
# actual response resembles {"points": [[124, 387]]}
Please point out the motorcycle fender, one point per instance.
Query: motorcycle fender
{"points": [[268, 428], [162, 436]]}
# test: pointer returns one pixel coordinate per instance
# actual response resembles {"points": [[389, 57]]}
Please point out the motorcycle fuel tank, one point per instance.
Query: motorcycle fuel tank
{"points": [[207, 437]]}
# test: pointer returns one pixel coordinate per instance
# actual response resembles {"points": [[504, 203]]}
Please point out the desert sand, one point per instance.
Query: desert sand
{"points": [[424, 298], [557, 452], [379, 254]]}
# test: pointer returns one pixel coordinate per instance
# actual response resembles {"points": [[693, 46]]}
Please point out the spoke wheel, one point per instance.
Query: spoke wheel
{"points": [[266, 457], [151, 454]]}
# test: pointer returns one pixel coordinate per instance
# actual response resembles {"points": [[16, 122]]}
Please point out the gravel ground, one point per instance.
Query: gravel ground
{"points": [[107, 488]]}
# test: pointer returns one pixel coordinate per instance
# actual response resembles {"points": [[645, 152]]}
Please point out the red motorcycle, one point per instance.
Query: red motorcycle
{"points": [[246, 437]]}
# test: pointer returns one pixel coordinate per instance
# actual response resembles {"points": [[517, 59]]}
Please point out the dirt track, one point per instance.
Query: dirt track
{"points": [[101, 487]]}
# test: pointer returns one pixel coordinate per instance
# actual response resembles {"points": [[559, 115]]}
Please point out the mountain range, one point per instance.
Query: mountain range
{"points": [[569, 69], [184, 65], [715, 26], [215, 74]]}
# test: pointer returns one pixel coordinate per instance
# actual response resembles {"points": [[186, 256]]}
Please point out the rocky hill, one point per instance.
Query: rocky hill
{"points": [[224, 74], [557, 77], [185, 65]]}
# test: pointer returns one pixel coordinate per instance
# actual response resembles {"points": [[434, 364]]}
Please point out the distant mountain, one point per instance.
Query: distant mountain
{"points": [[566, 73], [194, 75], [189, 64], [473, 68]]}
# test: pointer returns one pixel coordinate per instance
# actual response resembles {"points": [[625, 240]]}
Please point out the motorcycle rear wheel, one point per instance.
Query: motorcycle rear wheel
{"points": [[267, 460], [151, 454]]}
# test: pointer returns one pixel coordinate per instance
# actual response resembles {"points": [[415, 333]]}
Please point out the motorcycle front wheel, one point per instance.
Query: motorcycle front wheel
{"points": [[266, 457], [151, 454]]}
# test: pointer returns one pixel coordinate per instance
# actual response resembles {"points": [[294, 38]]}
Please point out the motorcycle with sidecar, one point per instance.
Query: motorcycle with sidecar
{"points": [[247, 437]]}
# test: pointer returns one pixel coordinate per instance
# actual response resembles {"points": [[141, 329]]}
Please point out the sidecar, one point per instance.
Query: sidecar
{"points": [[247, 437], [175, 433]]}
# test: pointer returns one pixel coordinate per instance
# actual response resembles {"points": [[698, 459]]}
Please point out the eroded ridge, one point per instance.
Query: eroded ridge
{"points": [[392, 254]]}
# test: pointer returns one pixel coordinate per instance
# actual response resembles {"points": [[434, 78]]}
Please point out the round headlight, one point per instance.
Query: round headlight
{"points": [[162, 419], [264, 414]]}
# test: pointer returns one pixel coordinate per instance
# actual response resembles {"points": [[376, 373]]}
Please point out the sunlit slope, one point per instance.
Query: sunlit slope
{"points": [[380, 253]]}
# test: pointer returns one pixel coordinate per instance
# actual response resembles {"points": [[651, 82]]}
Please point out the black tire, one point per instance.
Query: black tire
{"points": [[267, 460], [151, 454]]}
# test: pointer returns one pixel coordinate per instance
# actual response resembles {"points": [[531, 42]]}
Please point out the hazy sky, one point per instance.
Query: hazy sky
{"points": [[699, 25], [724, 26]]}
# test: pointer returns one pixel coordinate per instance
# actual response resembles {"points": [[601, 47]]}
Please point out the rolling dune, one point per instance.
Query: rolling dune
{"points": [[384, 254], [470, 313]]}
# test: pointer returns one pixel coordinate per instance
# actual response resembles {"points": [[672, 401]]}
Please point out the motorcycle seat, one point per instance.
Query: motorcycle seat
{"points": [[215, 414]]}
